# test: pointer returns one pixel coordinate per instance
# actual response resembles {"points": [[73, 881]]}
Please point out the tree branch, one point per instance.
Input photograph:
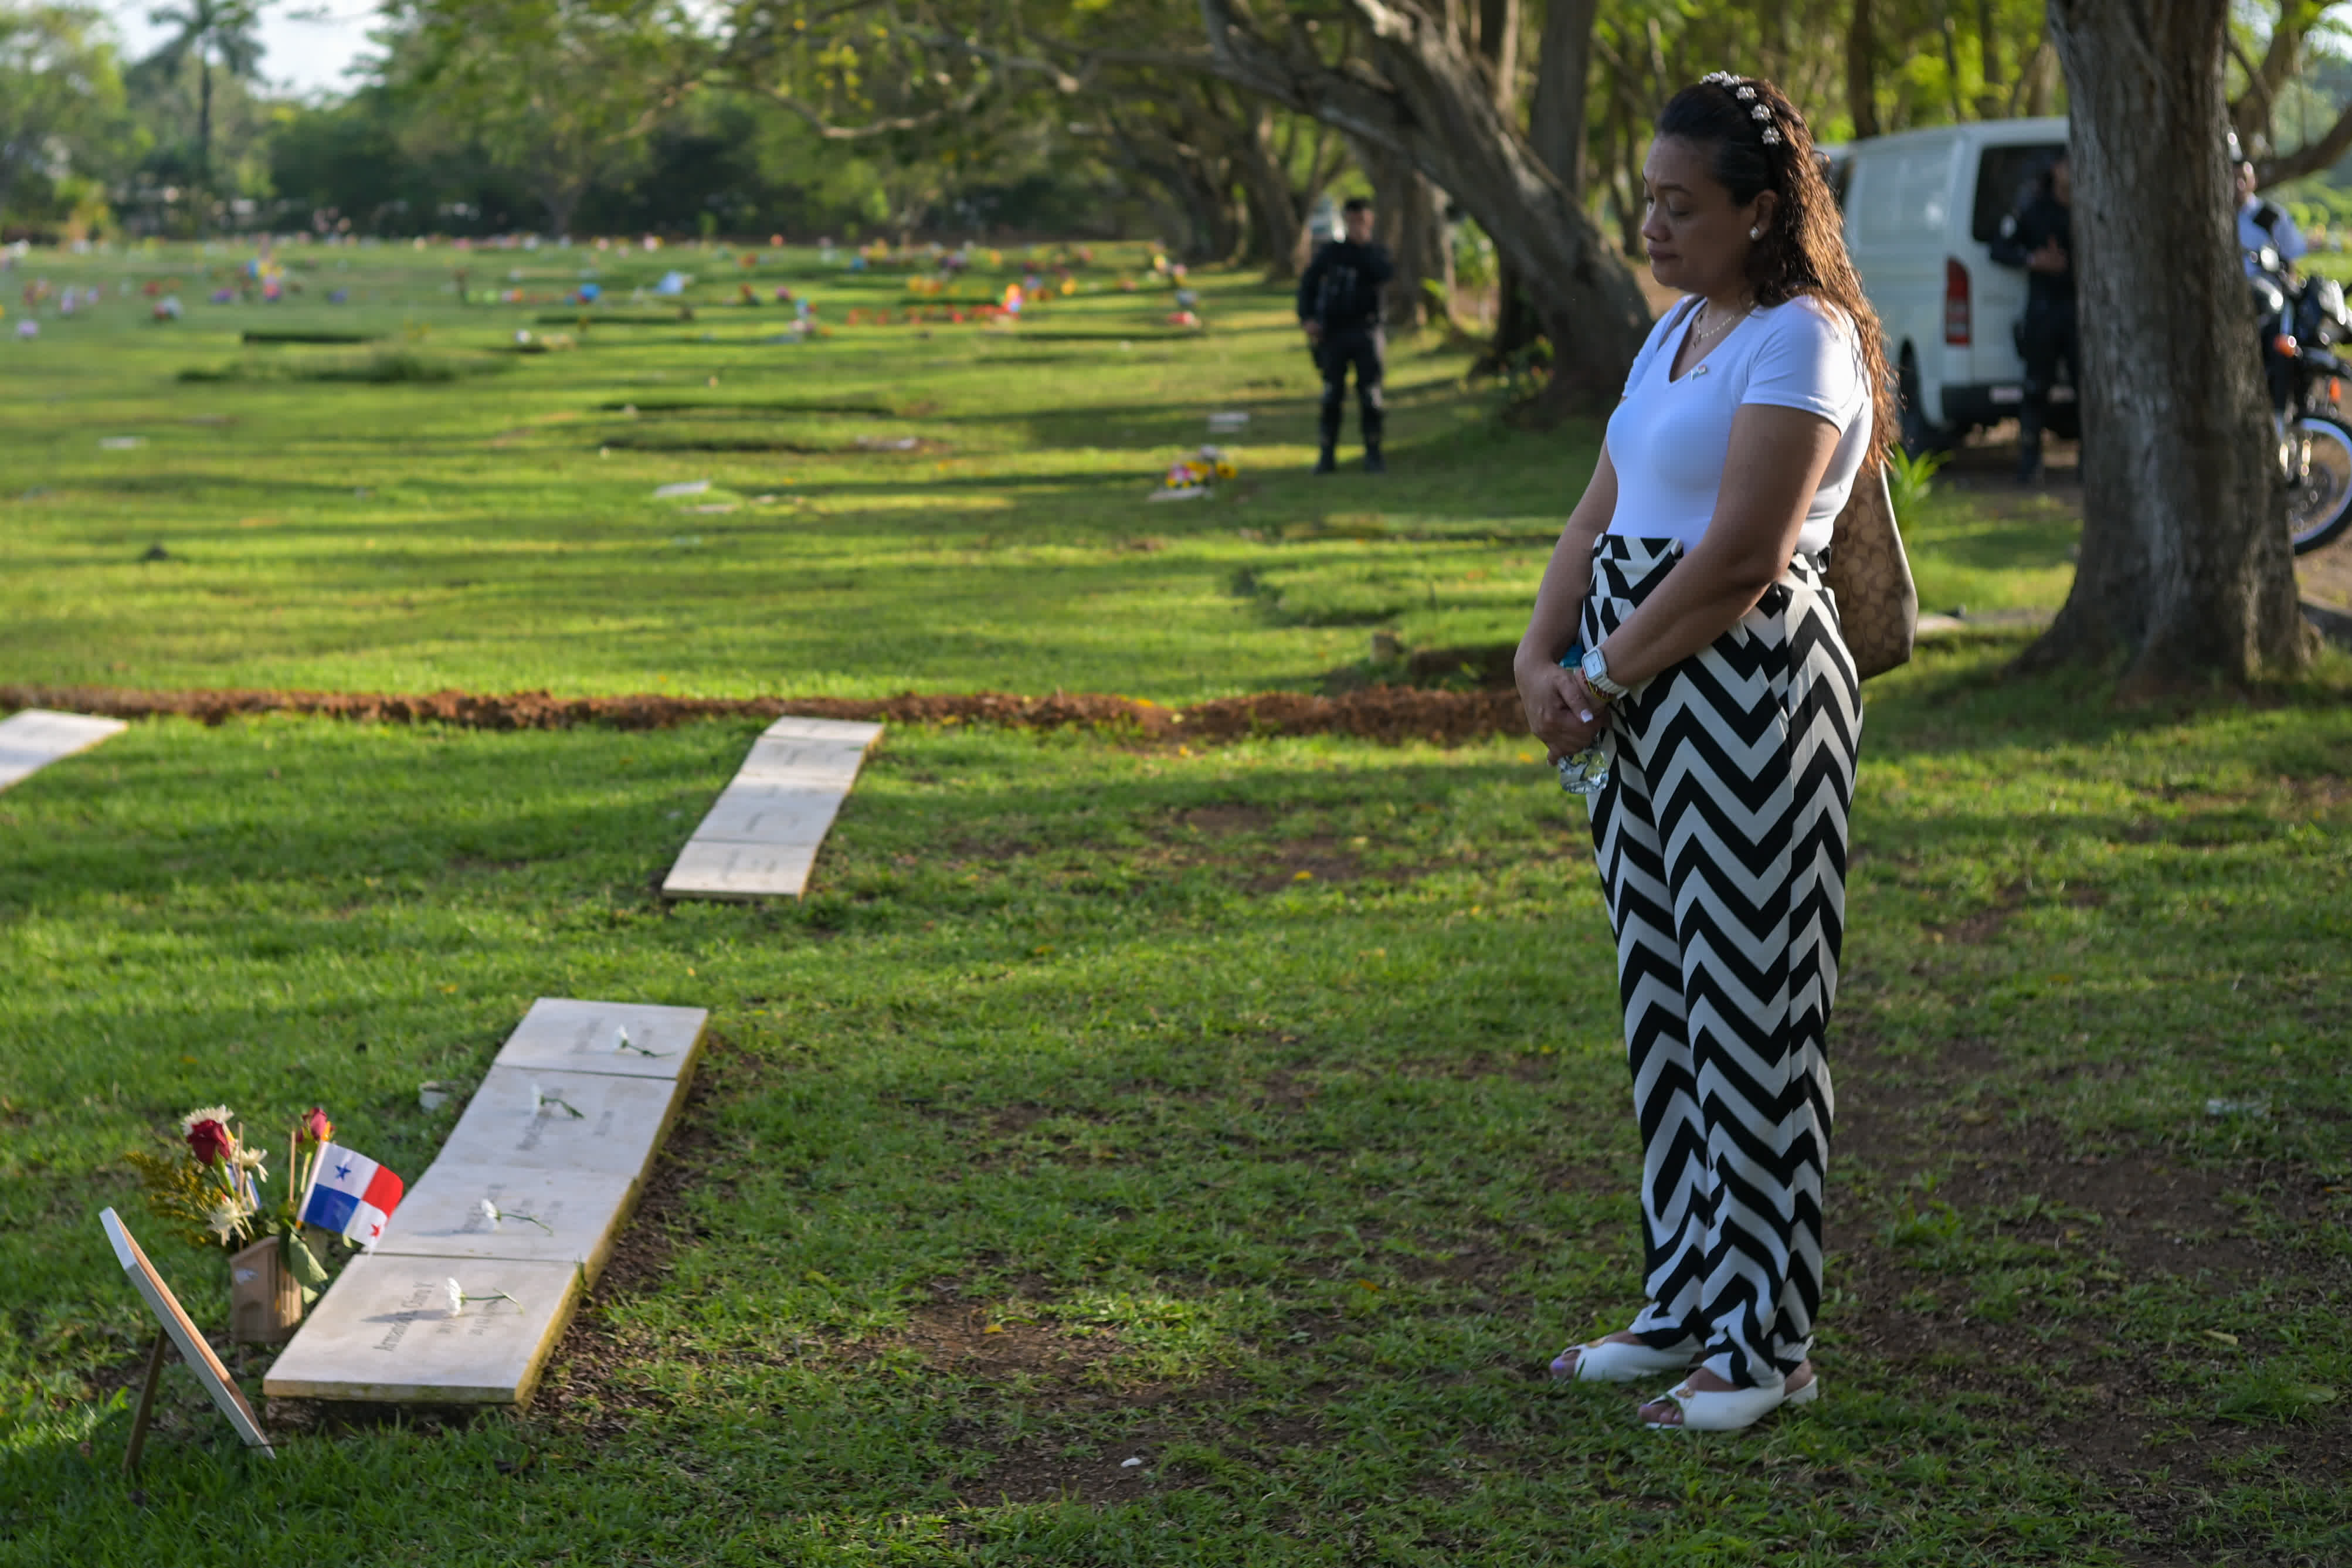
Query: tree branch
{"points": [[2309, 158], [826, 130]]}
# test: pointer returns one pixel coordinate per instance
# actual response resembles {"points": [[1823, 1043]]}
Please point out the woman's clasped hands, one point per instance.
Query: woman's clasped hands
{"points": [[1563, 712]]}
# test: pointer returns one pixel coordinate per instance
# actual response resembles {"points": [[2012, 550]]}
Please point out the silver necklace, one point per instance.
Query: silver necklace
{"points": [[1724, 326], [1699, 339]]}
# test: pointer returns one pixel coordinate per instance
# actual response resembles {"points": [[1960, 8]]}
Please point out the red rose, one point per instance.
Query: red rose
{"points": [[208, 1142], [315, 1126]]}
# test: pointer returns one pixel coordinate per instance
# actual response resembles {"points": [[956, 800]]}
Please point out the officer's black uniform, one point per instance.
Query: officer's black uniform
{"points": [[2048, 334], [1341, 291]]}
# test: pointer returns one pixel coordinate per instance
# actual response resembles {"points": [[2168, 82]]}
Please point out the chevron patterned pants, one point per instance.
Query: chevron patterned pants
{"points": [[1721, 838]]}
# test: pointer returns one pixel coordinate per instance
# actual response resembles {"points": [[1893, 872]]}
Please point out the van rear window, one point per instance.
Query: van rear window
{"points": [[2005, 180]]}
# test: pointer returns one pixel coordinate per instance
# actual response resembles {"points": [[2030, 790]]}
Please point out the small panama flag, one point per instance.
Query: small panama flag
{"points": [[350, 1194]]}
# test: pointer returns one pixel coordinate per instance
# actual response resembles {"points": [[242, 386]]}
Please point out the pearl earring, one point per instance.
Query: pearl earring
{"points": [[1756, 233]]}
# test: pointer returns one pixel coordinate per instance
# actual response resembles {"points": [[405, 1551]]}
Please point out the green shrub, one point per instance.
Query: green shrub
{"points": [[1910, 480]]}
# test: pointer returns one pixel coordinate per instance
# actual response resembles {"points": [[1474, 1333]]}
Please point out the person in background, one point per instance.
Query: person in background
{"points": [[2262, 222], [1339, 309], [2039, 237]]}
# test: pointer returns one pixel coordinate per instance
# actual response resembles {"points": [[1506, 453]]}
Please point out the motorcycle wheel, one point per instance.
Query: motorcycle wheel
{"points": [[2319, 487]]}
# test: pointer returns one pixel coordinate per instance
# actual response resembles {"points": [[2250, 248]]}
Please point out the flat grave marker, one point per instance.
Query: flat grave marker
{"points": [[760, 838], [581, 1211], [621, 1122], [712, 870], [560, 1033], [385, 1331], [32, 739]]}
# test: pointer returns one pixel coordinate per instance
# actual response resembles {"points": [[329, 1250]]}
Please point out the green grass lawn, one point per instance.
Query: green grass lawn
{"points": [[499, 532], [1257, 1112]]}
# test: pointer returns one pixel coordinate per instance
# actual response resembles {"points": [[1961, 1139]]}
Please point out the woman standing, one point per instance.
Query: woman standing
{"points": [[1691, 571]]}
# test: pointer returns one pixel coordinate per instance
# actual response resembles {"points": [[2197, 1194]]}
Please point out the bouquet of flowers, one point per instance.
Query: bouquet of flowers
{"points": [[1195, 475], [211, 1188]]}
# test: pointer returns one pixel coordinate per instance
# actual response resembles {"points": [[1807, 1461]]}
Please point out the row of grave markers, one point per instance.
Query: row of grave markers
{"points": [[480, 1267], [759, 840], [563, 1129]]}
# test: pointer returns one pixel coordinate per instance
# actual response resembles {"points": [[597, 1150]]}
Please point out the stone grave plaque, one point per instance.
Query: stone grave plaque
{"points": [[621, 1122], [561, 1034], [33, 739], [820, 763], [770, 814], [441, 1215], [830, 731], [760, 838], [384, 1331], [715, 870]]}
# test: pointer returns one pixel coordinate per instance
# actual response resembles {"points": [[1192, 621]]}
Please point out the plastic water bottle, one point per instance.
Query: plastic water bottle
{"points": [[1587, 771]]}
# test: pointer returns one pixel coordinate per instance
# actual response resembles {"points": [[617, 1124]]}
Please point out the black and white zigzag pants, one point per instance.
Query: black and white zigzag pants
{"points": [[1721, 837]]}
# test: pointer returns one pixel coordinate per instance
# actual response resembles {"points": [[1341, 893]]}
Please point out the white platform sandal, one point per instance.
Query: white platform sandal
{"points": [[1614, 1360], [1730, 1409]]}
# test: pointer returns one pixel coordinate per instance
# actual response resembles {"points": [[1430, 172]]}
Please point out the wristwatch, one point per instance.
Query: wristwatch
{"points": [[1596, 676]]}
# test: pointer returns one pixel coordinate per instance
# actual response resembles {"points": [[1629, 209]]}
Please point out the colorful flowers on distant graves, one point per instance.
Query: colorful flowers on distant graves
{"points": [[1210, 466]]}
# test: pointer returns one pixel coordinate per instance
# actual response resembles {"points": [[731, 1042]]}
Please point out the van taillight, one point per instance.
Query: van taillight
{"points": [[1956, 303]]}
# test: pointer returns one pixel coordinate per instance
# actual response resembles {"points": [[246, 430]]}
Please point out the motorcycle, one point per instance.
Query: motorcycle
{"points": [[2302, 325]]}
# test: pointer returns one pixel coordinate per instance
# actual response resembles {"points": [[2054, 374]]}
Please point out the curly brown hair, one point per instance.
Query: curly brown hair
{"points": [[1760, 142]]}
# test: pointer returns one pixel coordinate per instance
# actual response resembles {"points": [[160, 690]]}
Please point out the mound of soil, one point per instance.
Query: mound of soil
{"points": [[1385, 713]]}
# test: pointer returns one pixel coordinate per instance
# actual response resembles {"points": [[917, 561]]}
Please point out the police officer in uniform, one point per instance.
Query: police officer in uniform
{"points": [[2039, 237], [1339, 309]]}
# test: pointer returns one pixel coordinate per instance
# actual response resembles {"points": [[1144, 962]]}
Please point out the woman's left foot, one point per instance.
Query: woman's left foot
{"points": [[1705, 1402]]}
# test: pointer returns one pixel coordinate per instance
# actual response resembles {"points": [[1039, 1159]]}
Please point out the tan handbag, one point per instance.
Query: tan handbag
{"points": [[1870, 576]]}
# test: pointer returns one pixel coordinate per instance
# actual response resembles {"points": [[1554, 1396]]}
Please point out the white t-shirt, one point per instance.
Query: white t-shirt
{"points": [[1669, 438]]}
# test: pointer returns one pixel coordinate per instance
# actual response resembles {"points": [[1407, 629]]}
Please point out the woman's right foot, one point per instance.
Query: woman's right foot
{"points": [[1621, 1357]]}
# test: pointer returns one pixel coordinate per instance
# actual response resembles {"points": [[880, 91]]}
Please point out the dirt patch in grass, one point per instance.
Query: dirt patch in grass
{"points": [[1035, 1471], [992, 1344], [1226, 818], [1988, 922], [1305, 861], [2115, 1216], [1392, 715]]}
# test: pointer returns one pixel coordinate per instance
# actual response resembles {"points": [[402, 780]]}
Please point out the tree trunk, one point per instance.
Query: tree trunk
{"points": [[1629, 184], [1555, 114], [1862, 71], [2185, 563], [561, 203], [1424, 98], [1556, 135], [1408, 217], [204, 122], [1499, 45], [1277, 220]]}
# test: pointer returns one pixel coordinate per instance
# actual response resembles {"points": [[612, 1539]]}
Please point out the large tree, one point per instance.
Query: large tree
{"points": [[1404, 77], [562, 92], [2184, 568], [59, 92]]}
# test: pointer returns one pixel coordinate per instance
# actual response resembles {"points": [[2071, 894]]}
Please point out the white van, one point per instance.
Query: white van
{"points": [[1922, 209]]}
